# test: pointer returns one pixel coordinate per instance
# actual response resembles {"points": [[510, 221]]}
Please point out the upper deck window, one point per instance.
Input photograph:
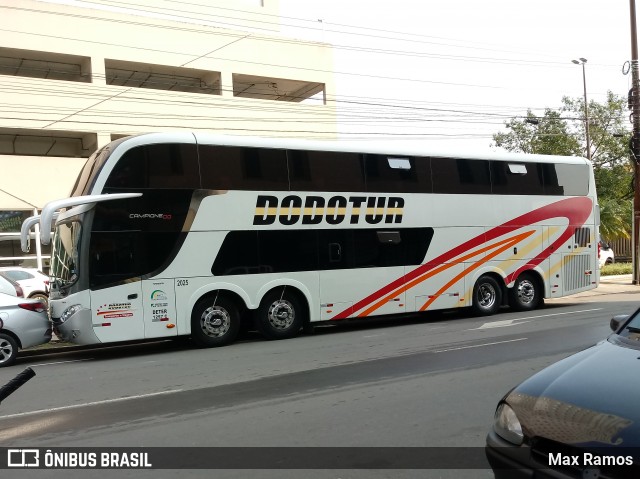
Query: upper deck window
{"points": [[243, 168], [325, 171], [167, 165], [516, 178]]}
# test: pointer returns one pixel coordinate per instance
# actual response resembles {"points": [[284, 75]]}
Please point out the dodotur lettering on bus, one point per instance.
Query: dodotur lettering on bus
{"points": [[313, 210]]}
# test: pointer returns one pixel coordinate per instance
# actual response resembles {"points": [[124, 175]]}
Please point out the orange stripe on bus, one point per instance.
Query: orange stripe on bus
{"points": [[501, 245]]}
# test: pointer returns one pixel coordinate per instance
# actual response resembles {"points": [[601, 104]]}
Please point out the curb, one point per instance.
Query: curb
{"points": [[54, 347]]}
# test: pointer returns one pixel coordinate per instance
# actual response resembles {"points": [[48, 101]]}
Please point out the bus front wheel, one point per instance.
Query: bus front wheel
{"points": [[487, 296], [215, 321], [280, 315]]}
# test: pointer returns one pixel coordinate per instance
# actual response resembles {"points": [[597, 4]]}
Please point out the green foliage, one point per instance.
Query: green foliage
{"points": [[615, 217], [548, 135], [562, 132], [616, 269]]}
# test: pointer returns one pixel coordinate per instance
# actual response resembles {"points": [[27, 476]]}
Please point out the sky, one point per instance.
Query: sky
{"points": [[473, 64], [454, 71]]}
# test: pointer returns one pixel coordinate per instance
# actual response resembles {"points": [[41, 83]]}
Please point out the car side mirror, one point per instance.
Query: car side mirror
{"points": [[617, 321]]}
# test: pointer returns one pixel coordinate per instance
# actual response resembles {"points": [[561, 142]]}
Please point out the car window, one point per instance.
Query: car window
{"points": [[17, 275], [6, 286]]}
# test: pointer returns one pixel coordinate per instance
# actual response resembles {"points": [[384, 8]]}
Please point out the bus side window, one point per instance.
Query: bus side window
{"points": [[510, 178], [325, 171], [567, 180], [157, 166], [113, 257], [397, 174], [335, 252], [336, 249], [243, 168], [460, 176]]}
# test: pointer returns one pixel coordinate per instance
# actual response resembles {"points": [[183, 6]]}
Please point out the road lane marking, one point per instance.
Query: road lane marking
{"points": [[61, 362], [510, 322], [94, 403], [562, 314], [478, 345], [499, 324]]}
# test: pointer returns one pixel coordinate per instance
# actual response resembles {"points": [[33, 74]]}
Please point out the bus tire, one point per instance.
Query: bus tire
{"points": [[215, 321], [8, 350], [487, 296], [526, 293], [280, 315]]}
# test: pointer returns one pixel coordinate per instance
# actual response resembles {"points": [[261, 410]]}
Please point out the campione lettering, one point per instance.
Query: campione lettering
{"points": [[158, 216]]}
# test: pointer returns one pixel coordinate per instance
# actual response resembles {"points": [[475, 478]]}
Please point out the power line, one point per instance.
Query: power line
{"points": [[465, 58], [312, 25]]}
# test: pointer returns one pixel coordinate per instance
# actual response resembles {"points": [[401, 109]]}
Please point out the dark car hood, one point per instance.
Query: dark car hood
{"points": [[592, 397]]}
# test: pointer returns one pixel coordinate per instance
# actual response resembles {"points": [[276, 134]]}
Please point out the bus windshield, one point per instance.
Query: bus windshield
{"points": [[64, 256]]}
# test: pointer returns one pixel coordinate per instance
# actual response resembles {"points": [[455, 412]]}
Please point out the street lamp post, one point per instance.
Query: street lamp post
{"points": [[582, 61], [635, 145]]}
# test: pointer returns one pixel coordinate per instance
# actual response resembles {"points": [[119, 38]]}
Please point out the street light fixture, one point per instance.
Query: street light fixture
{"points": [[582, 61]]}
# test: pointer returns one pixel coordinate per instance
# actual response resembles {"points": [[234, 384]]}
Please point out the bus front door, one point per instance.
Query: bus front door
{"points": [[117, 312]]}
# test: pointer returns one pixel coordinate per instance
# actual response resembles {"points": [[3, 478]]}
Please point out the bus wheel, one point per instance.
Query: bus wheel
{"points": [[525, 294], [215, 321], [487, 296], [280, 315], [8, 350]]}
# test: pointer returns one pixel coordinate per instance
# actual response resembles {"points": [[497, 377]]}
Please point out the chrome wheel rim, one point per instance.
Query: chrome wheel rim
{"points": [[486, 295], [281, 314], [215, 321], [526, 292], [6, 350]]}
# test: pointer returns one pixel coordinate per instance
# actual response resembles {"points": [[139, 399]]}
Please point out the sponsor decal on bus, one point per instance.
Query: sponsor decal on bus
{"points": [[115, 310]]}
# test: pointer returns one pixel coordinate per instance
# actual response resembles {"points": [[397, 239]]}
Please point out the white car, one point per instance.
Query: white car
{"points": [[605, 254], [23, 323], [10, 287], [34, 283]]}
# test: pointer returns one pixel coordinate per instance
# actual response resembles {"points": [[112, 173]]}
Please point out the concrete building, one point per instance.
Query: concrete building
{"points": [[72, 79]]}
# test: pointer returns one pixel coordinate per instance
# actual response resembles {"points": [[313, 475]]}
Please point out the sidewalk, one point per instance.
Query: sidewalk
{"points": [[612, 285]]}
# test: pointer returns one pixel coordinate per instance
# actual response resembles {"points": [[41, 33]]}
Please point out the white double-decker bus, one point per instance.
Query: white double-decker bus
{"points": [[189, 234]]}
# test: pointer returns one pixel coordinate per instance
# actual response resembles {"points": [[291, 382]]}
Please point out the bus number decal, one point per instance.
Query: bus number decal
{"points": [[183, 282]]}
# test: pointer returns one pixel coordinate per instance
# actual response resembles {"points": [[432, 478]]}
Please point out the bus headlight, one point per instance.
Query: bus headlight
{"points": [[67, 313], [507, 425]]}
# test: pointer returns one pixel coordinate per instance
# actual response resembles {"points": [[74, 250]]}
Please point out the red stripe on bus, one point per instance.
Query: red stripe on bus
{"points": [[576, 210]]}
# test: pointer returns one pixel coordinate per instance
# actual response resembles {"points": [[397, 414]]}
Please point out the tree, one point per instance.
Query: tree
{"points": [[562, 132]]}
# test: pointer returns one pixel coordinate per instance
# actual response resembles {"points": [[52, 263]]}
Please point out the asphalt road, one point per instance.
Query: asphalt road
{"points": [[420, 382]]}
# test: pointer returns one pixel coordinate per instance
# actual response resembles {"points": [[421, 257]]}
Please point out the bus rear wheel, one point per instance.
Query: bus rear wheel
{"points": [[280, 315], [526, 293], [487, 296], [215, 321]]}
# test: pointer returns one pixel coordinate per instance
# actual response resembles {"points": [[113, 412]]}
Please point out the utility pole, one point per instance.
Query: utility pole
{"points": [[582, 62], [635, 141]]}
